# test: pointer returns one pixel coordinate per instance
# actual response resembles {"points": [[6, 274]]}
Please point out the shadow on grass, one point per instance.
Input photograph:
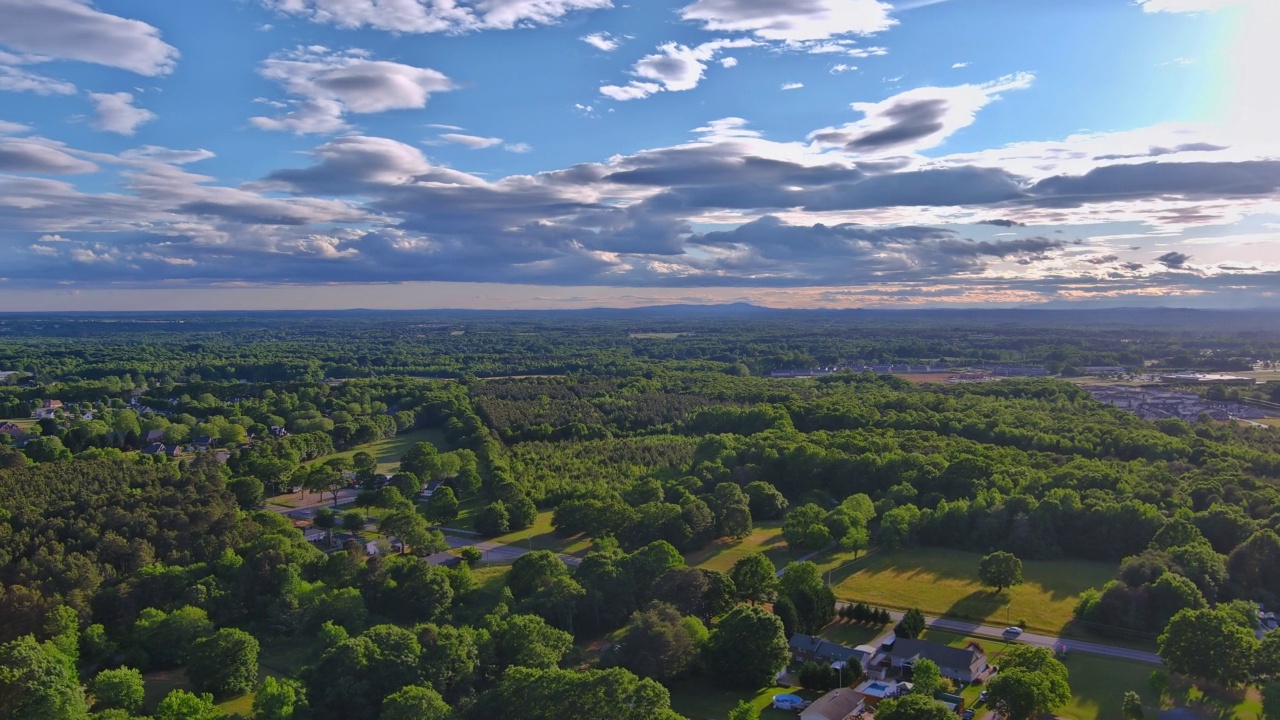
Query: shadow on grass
{"points": [[982, 606]]}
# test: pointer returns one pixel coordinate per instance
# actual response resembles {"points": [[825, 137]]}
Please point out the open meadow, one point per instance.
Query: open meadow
{"points": [[945, 583]]}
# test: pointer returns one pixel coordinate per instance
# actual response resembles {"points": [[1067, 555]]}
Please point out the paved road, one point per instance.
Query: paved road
{"points": [[1047, 641], [498, 552]]}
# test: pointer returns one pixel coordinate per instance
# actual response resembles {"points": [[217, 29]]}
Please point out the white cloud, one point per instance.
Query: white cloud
{"points": [[52, 238], [674, 68], [434, 16], [13, 128], [475, 142], [728, 62], [115, 113], [518, 148], [37, 155], [792, 85], [957, 66], [842, 68], [74, 30], [601, 41], [14, 79], [799, 20], [331, 84]]}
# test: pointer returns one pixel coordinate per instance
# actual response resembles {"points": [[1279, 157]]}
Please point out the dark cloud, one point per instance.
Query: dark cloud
{"points": [[1000, 222], [1158, 151], [1173, 259], [1150, 180], [910, 121], [1104, 260]]}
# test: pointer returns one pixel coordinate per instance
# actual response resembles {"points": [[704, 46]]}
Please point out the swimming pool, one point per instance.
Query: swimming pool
{"points": [[875, 689], [787, 702]]}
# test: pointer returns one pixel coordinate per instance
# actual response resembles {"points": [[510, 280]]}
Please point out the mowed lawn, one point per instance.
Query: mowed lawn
{"points": [[389, 450], [702, 699], [721, 554], [945, 583], [542, 536]]}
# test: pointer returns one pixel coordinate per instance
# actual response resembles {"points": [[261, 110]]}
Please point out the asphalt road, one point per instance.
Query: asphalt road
{"points": [[498, 552], [1047, 641]]}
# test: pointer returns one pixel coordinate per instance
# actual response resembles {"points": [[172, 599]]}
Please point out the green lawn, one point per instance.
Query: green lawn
{"points": [[720, 555], [851, 634], [1098, 685], [945, 583], [701, 700], [24, 423], [389, 450], [541, 536]]}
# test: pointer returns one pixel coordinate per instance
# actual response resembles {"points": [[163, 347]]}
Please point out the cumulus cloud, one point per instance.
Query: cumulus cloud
{"points": [[796, 20], [115, 112], [75, 30], [792, 85], [673, 68], [330, 84], [601, 41], [728, 62], [916, 119], [434, 16]]}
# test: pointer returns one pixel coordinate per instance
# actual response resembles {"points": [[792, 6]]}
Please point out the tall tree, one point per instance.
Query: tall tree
{"points": [[911, 625], [1210, 644], [38, 682], [815, 603], [225, 663], [747, 647], [1131, 706], [277, 699], [913, 707], [415, 702], [1031, 682], [754, 577], [659, 643], [120, 689], [1000, 570]]}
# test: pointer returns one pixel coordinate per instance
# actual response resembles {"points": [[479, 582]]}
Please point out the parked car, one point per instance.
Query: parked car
{"points": [[982, 696], [968, 714], [1011, 633]]}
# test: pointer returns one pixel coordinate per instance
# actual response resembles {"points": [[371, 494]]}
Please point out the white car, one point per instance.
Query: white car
{"points": [[1011, 633]]}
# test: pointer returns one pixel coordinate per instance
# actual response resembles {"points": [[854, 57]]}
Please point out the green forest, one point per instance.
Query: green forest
{"points": [[151, 566]]}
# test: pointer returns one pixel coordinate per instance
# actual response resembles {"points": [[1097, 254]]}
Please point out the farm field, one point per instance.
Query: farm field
{"points": [[945, 583], [389, 450], [720, 555]]}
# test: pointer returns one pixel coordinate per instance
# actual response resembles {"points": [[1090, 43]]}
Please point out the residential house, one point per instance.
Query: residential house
{"points": [[153, 449], [173, 451], [154, 436], [48, 409], [13, 430], [808, 648], [204, 442], [961, 665], [444, 559], [835, 705]]}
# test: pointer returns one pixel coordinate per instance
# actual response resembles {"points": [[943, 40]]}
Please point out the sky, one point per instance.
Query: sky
{"points": [[323, 154]]}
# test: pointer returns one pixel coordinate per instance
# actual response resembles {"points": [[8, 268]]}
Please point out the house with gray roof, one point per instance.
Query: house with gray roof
{"points": [[962, 665]]}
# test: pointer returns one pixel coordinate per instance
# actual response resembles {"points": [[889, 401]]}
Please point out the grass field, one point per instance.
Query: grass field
{"points": [[159, 683], [945, 583], [852, 634], [24, 423], [722, 554], [389, 450], [541, 536]]}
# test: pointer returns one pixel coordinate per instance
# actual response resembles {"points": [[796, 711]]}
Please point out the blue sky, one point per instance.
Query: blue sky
{"points": [[566, 153]]}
